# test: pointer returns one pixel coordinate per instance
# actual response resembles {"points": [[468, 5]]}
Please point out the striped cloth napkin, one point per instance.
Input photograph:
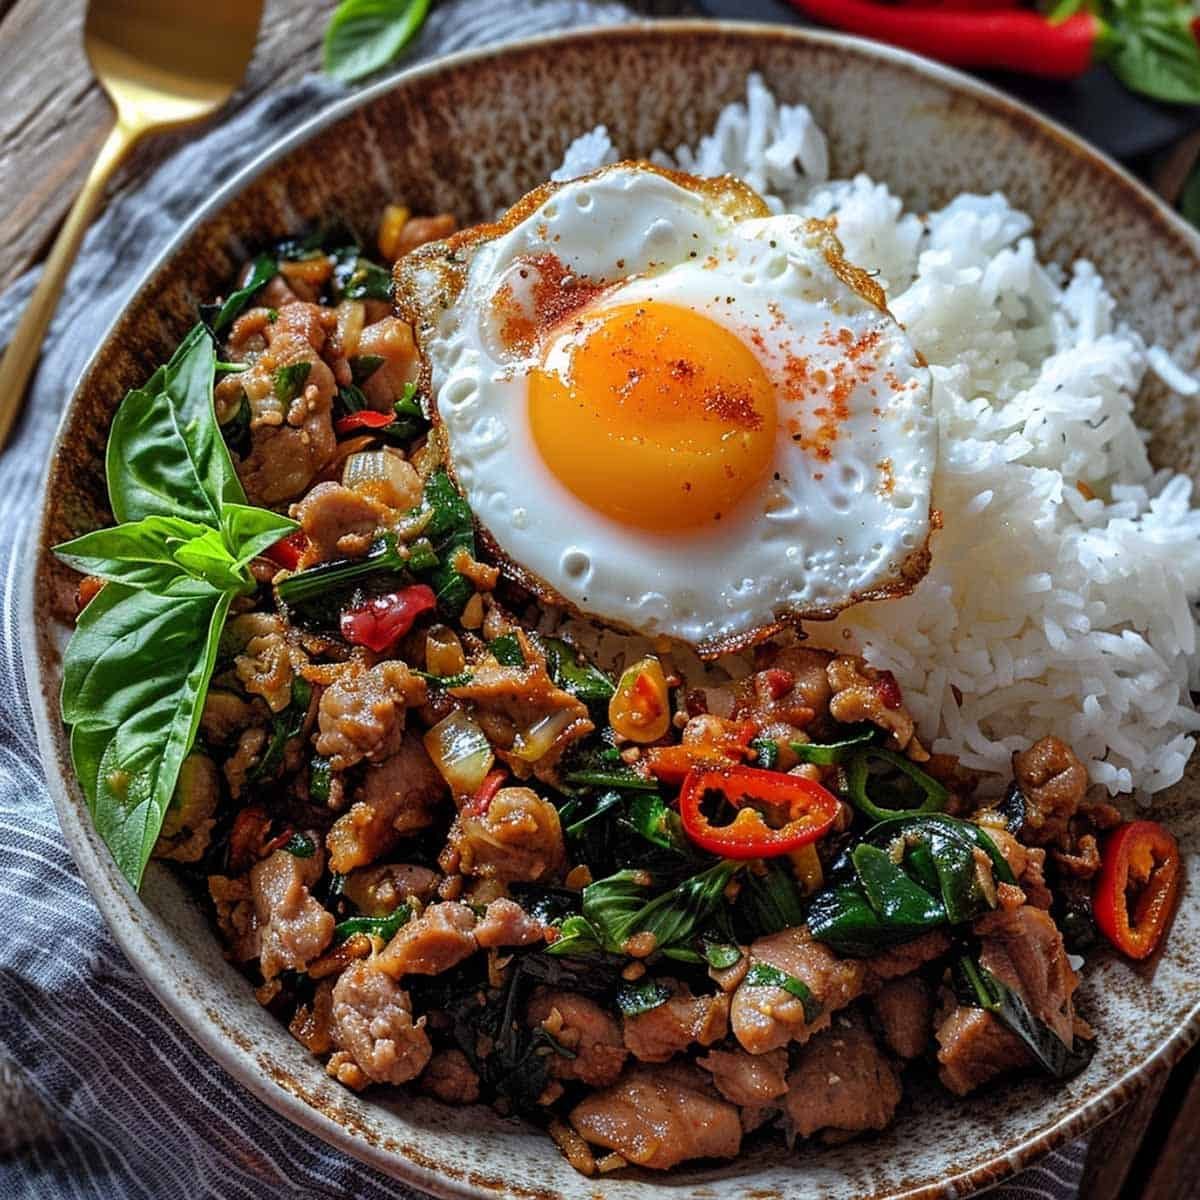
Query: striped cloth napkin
{"points": [[102, 1094]]}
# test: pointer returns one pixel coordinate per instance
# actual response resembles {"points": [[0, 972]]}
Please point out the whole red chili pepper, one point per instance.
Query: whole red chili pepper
{"points": [[1016, 40]]}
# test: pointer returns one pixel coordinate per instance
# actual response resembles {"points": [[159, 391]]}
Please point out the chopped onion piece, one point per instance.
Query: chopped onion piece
{"points": [[384, 475], [537, 741], [350, 315], [460, 751]]}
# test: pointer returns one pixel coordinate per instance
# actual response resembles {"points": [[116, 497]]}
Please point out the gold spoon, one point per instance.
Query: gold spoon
{"points": [[163, 63]]}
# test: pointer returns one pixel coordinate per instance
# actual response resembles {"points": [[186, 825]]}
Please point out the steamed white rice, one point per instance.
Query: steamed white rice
{"points": [[1060, 597]]}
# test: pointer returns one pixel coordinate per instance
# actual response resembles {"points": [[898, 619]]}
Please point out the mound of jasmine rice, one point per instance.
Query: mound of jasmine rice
{"points": [[1060, 596]]}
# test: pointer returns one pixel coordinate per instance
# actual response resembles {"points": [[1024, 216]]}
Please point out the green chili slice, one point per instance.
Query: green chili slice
{"points": [[827, 754], [913, 784]]}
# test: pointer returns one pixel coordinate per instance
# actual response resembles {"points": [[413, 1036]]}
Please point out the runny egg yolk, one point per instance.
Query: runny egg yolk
{"points": [[653, 414]]}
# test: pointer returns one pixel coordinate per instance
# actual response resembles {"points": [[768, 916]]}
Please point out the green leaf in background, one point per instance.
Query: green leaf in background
{"points": [[166, 456], [134, 678], [1152, 48], [365, 35]]}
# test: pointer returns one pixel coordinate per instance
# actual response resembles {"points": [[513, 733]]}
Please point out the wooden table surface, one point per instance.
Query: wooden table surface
{"points": [[53, 118]]}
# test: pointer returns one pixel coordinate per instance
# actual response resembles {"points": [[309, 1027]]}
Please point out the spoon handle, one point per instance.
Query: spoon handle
{"points": [[26, 346]]}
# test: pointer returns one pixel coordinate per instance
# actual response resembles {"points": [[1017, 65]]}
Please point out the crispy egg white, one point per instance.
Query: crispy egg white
{"points": [[673, 411]]}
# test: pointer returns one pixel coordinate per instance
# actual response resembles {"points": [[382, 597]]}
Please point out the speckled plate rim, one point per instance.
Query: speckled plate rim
{"points": [[119, 904]]}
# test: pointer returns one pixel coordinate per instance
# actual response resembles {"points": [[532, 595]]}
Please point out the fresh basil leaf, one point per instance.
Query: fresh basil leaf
{"points": [[248, 531], [365, 35], [977, 987], [165, 455], [220, 317], [634, 999], [763, 974], [139, 554], [207, 557], [138, 668]]}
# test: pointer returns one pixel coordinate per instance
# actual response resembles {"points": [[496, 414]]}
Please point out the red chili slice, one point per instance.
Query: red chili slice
{"points": [[365, 418], [383, 620], [670, 764], [1140, 867], [805, 811], [288, 551], [493, 781]]}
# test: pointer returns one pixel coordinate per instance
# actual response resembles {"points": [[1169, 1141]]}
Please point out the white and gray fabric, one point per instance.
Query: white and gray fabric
{"points": [[102, 1094]]}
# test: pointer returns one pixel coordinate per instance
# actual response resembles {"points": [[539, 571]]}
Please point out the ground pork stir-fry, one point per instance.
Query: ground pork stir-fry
{"points": [[659, 915]]}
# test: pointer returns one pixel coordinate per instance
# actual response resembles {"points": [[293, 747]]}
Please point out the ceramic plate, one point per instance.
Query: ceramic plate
{"points": [[469, 134]]}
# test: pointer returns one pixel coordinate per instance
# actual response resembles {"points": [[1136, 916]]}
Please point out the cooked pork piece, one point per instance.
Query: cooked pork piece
{"points": [[362, 713], [451, 1078], [338, 522], [376, 891], [1023, 949], [506, 923], [974, 1047], [581, 1026], [440, 938], [904, 1007], [672, 1027], [659, 1116], [861, 693], [291, 434], [398, 796], [374, 1028], [516, 837], [841, 1080], [747, 1080], [1027, 863], [293, 927], [1054, 783], [514, 705], [765, 1017]]}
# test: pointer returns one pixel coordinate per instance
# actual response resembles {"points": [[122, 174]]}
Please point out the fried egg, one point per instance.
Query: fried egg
{"points": [[674, 412]]}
